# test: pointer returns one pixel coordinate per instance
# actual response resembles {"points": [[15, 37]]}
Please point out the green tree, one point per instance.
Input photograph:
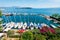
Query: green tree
{"points": [[56, 15], [39, 37], [27, 36], [0, 13], [54, 38], [1, 28], [10, 33]]}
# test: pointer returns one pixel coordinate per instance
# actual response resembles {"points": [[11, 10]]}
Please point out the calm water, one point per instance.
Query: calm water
{"points": [[29, 18], [46, 11]]}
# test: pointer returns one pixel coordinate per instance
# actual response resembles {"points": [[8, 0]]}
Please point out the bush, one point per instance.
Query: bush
{"points": [[14, 36], [0, 13], [27, 36], [39, 37], [57, 16], [54, 38], [1, 28], [10, 32], [36, 35]]}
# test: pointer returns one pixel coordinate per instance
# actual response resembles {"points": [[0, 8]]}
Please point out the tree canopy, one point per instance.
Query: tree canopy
{"points": [[56, 15], [0, 13], [0, 21]]}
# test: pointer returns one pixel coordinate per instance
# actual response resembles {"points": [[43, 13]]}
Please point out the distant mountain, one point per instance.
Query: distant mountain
{"points": [[16, 7], [26, 8]]}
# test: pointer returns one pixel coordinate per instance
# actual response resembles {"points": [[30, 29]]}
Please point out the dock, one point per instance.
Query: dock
{"points": [[50, 18]]}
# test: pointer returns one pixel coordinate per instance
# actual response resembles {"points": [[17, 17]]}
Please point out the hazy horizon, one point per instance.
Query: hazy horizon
{"points": [[30, 7]]}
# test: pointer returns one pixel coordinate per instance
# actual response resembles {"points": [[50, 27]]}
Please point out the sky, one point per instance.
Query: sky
{"points": [[30, 3]]}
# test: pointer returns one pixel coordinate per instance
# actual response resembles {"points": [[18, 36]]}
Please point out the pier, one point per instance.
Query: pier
{"points": [[51, 18]]}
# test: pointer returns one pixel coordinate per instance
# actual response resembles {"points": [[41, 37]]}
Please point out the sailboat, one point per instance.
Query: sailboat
{"points": [[12, 24], [43, 24], [16, 25], [39, 26], [21, 25], [7, 25], [28, 25], [25, 25], [31, 26], [53, 26], [35, 26]]}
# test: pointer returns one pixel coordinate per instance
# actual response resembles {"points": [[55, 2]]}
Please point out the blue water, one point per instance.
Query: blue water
{"points": [[46, 11], [29, 18]]}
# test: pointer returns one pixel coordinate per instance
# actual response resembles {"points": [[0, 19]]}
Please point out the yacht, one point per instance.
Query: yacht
{"points": [[7, 25], [4, 24], [39, 26], [16, 25], [53, 26], [59, 26], [31, 26], [35, 25], [19, 25], [28, 25], [1, 19], [24, 25], [43, 24], [7, 29], [12, 24]]}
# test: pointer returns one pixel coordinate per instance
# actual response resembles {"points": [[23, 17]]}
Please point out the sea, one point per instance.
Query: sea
{"points": [[29, 18], [45, 11]]}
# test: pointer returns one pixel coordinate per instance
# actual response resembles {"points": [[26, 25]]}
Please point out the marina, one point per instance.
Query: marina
{"points": [[26, 21], [29, 19]]}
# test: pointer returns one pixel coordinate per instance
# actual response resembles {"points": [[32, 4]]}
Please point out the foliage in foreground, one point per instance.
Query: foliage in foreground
{"points": [[27, 36], [0, 13], [37, 35], [1, 28]]}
